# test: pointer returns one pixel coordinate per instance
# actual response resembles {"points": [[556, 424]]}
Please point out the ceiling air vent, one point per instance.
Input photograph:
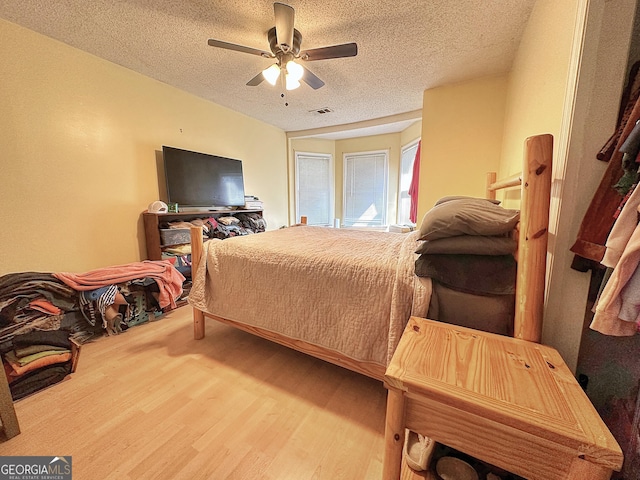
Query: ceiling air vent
{"points": [[322, 110]]}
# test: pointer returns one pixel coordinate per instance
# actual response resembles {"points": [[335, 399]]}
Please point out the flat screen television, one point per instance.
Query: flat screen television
{"points": [[201, 180]]}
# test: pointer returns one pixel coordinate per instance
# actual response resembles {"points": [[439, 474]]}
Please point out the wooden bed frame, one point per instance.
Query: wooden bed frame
{"points": [[535, 182]]}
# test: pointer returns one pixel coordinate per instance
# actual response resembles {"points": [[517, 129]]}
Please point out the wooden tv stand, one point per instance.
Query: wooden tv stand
{"points": [[152, 222]]}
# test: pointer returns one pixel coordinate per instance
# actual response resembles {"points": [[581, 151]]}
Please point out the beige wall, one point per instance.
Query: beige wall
{"points": [[461, 138], [411, 133], [538, 79], [80, 139]]}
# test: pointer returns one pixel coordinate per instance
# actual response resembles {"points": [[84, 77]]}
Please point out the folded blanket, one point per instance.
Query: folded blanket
{"points": [[38, 379], [162, 271], [58, 338], [31, 349], [22, 361], [476, 274], [41, 362]]}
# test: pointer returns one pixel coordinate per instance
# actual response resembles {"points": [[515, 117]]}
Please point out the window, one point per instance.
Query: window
{"points": [[314, 188], [407, 158], [365, 189]]}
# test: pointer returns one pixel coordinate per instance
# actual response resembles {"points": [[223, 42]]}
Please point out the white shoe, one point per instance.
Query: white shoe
{"points": [[418, 450]]}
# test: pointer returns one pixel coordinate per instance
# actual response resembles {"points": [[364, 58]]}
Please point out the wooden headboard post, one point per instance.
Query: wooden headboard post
{"points": [[535, 183], [491, 191], [534, 231]]}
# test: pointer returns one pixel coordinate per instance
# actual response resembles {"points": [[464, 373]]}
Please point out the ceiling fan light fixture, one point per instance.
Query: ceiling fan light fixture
{"points": [[294, 70], [271, 74], [284, 45], [291, 83]]}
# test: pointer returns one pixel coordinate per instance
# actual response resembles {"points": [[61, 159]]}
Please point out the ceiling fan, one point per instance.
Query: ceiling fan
{"points": [[284, 43]]}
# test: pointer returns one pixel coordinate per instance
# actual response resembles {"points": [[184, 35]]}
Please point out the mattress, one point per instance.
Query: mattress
{"points": [[347, 291]]}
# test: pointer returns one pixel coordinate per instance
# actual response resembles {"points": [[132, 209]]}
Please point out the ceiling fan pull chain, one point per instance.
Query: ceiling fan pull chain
{"points": [[283, 85]]}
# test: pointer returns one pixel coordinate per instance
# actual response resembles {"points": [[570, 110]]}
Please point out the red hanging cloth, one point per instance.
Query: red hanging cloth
{"points": [[413, 187]]}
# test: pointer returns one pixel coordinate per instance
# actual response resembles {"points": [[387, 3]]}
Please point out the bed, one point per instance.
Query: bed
{"points": [[345, 296]]}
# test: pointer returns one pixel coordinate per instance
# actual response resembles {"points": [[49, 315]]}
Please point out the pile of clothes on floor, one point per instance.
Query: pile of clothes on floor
{"points": [[37, 360], [45, 317]]}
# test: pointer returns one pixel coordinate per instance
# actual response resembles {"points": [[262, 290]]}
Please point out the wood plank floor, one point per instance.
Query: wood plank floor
{"points": [[154, 403]]}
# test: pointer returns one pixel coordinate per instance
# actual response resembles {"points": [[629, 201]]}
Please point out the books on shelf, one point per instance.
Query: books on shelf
{"points": [[252, 203]]}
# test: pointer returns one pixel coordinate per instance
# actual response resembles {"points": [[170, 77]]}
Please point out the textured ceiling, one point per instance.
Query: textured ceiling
{"points": [[404, 48]]}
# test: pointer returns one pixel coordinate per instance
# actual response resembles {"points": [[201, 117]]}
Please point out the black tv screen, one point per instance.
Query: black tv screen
{"points": [[201, 180]]}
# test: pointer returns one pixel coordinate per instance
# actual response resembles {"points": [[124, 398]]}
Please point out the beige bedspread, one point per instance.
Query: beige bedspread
{"points": [[349, 291]]}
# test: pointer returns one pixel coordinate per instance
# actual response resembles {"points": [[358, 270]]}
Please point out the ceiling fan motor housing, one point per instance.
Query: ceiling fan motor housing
{"points": [[276, 49]]}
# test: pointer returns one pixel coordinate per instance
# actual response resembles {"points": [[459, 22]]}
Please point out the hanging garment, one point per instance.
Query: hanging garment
{"points": [[600, 215], [622, 230], [607, 319], [629, 96]]}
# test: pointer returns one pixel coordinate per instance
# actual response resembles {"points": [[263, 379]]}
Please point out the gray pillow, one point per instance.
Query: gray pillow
{"points": [[461, 197], [469, 244], [468, 216]]}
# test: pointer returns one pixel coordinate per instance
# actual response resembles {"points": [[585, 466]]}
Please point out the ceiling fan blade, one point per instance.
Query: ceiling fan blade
{"points": [[334, 51], [284, 25], [311, 79], [239, 48], [257, 80]]}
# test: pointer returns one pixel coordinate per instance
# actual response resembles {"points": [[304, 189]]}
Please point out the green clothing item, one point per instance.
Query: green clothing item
{"points": [[31, 349], [11, 356]]}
